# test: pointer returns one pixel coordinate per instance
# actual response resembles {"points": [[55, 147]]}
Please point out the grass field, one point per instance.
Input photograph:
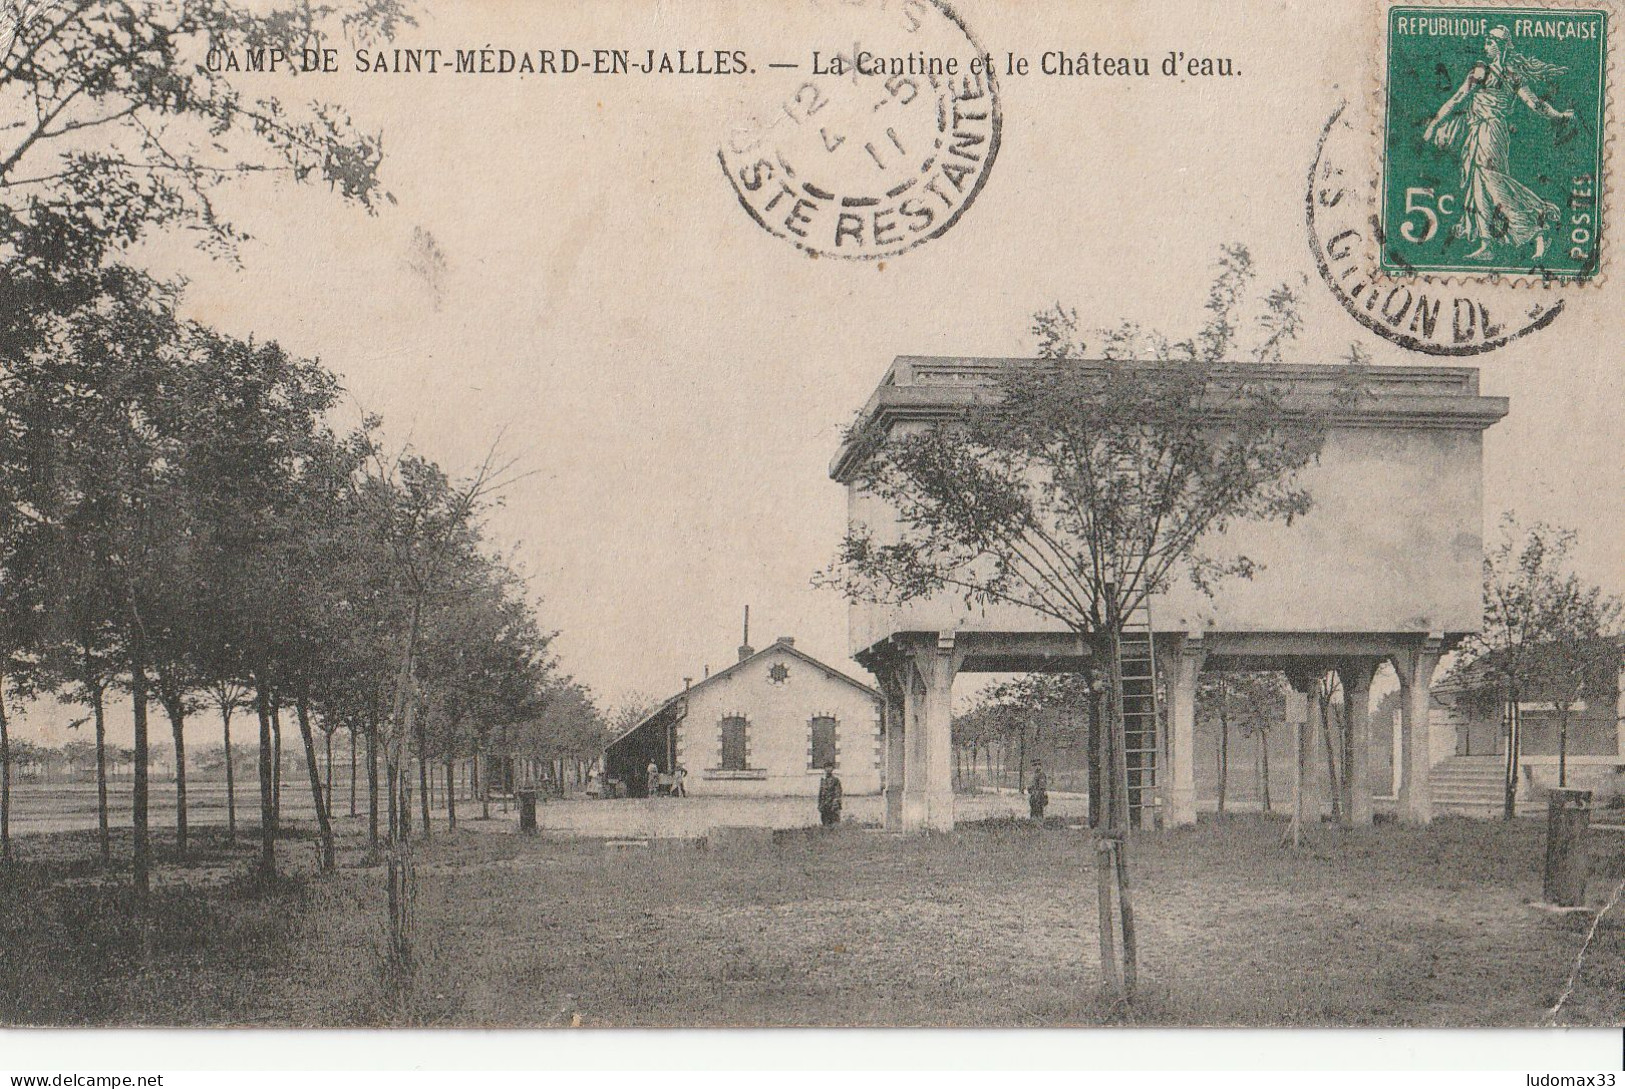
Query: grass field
{"points": [[991, 925]]}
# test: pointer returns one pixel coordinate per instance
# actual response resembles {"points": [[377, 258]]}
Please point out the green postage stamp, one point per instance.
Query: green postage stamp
{"points": [[1493, 141]]}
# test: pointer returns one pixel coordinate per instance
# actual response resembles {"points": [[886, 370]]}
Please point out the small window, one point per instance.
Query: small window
{"points": [[823, 741], [733, 743]]}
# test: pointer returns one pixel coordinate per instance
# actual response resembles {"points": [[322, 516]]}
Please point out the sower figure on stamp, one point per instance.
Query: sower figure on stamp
{"points": [[1037, 792], [829, 799], [1496, 207]]}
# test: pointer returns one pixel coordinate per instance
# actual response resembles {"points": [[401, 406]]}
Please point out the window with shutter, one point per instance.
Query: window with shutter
{"points": [[823, 741], [733, 743]]}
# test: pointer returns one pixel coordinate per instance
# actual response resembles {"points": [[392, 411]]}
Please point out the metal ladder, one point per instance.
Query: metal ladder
{"points": [[1141, 722]]}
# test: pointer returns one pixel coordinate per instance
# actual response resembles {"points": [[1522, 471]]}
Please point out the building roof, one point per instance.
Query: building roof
{"points": [[941, 387], [1480, 673], [783, 644]]}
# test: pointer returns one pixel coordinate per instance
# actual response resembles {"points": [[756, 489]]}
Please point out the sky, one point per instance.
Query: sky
{"points": [[675, 380]]}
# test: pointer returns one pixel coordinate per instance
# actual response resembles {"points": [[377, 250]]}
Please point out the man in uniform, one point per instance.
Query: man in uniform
{"points": [[829, 799]]}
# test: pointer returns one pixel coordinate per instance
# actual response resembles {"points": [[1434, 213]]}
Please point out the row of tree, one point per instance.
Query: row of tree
{"points": [[185, 524], [182, 519]]}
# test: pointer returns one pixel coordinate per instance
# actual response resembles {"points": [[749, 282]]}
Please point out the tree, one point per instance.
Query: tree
{"points": [[1252, 702], [117, 127], [90, 474], [1077, 488], [1329, 695], [115, 130], [79, 659], [1544, 630], [1021, 713], [632, 709], [1584, 663], [229, 697], [429, 527]]}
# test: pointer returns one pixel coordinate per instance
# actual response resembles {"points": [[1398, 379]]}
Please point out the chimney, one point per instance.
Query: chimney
{"points": [[687, 681], [745, 649], [786, 640]]}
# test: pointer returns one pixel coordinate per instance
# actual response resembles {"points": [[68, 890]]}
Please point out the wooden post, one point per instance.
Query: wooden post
{"points": [[1105, 871]]}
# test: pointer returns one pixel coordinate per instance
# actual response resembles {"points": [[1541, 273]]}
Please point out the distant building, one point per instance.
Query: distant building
{"points": [[766, 726], [1595, 746]]}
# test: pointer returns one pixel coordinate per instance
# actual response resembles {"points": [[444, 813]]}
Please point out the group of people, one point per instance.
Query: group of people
{"points": [[829, 790], [678, 774]]}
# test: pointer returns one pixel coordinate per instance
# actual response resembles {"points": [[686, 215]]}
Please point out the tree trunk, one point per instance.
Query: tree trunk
{"points": [[372, 786], [1348, 755], [141, 864], [176, 711], [1264, 771], [276, 758], [231, 777], [399, 876], [482, 774], [1513, 740], [1300, 767], [1125, 907], [351, 729], [1563, 746], [1334, 781], [98, 710], [329, 738], [1098, 789], [394, 801], [451, 793], [1100, 804], [323, 824], [423, 782], [1224, 759], [262, 705], [403, 807], [5, 777], [1021, 758]]}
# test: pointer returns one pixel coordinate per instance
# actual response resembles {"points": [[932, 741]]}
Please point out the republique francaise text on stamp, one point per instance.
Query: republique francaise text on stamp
{"points": [[1493, 141]]}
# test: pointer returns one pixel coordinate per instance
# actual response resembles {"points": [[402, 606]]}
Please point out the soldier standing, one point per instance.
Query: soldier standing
{"points": [[829, 799]]}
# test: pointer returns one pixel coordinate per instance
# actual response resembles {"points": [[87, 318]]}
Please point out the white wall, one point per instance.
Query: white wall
{"points": [[779, 731], [1394, 544]]}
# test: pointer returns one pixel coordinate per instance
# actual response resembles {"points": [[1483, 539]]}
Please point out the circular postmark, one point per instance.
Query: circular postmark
{"points": [[875, 143], [1440, 319]]}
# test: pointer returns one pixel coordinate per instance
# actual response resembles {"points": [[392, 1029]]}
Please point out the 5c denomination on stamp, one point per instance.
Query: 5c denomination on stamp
{"points": [[878, 145], [1493, 141]]}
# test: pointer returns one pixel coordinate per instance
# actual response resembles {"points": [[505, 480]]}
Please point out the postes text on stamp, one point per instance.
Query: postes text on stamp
{"points": [[1493, 142]]}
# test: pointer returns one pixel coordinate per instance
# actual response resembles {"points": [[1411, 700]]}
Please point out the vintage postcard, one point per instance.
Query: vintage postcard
{"points": [[840, 513]]}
